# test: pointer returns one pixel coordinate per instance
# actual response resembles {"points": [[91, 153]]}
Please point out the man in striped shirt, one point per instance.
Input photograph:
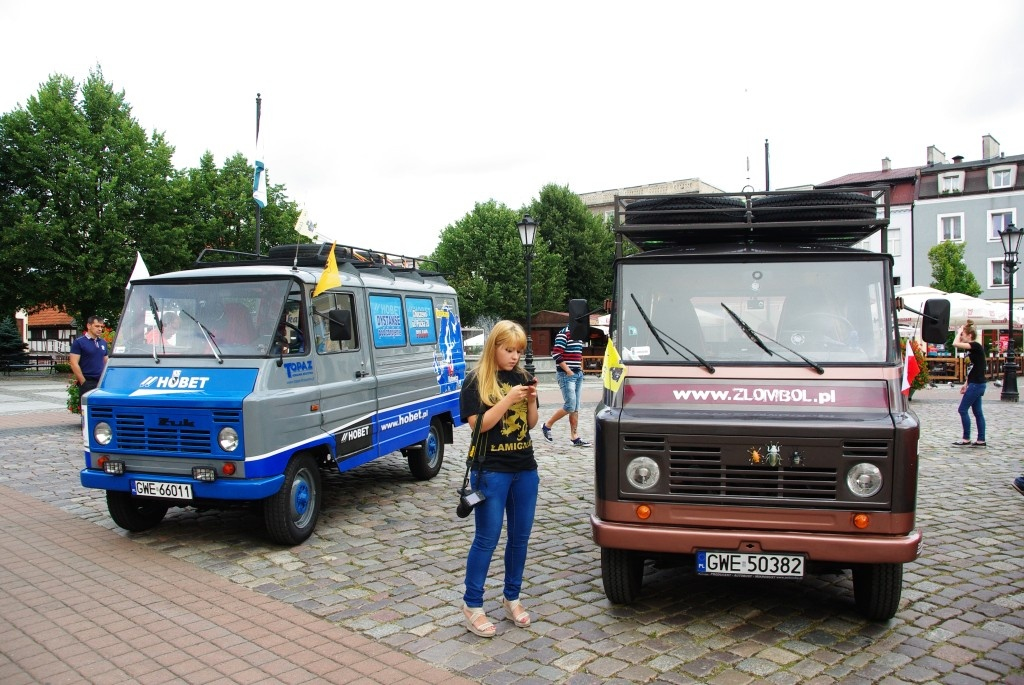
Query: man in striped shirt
{"points": [[568, 356]]}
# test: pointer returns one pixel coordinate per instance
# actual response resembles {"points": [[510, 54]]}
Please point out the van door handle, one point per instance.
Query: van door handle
{"points": [[362, 374]]}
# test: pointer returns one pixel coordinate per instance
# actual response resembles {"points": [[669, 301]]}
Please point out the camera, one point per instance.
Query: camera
{"points": [[468, 500]]}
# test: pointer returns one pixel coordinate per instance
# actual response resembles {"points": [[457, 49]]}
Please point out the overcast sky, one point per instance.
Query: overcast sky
{"points": [[387, 121]]}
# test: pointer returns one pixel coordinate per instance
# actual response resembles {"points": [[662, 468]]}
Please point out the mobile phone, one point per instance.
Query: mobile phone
{"points": [[532, 381]]}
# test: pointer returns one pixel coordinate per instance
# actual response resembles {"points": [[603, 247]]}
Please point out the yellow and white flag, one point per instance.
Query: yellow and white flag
{"points": [[613, 371], [330, 278]]}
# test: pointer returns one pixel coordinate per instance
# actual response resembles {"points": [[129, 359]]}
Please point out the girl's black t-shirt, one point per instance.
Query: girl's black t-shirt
{"points": [[976, 368], [509, 445]]}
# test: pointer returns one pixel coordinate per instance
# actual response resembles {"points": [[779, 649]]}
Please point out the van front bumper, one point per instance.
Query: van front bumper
{"points": [[223, 489], [825, 547]]}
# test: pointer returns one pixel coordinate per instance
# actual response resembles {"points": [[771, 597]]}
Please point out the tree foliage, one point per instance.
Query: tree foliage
{"points": [[949, 272], [13, 350], [483, 257], [581, 240], [83, 187]]}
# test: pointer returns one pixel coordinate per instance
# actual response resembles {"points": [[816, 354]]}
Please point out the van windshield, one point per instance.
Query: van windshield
{"points": [[202, 319], [758, 313]]}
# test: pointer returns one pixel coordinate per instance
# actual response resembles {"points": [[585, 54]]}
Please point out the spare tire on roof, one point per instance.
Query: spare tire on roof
{"points": [[814, 206], [682, 209]]}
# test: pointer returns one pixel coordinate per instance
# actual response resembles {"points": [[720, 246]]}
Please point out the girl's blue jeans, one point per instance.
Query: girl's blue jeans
{"points": [[507, 495], [971, 400]]}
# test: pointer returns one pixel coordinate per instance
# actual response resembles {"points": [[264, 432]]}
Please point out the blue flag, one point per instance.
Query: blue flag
{"points": [[259, 181]]}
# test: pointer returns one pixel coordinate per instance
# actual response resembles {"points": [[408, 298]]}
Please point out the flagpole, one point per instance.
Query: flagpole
{"points": [[259, 102]]}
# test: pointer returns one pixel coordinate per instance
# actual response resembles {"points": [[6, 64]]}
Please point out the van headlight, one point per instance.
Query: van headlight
{"points": [[102, 433], [643, 473], [228, 439], [864, 480]]}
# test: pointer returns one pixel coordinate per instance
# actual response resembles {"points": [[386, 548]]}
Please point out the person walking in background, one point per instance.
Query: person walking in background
{"points": [[568, 356], [974, 387], [503, 398], [89, 355]]}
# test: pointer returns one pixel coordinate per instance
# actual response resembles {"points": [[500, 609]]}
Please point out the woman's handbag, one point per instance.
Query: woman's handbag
{"points": [[468, 497]]}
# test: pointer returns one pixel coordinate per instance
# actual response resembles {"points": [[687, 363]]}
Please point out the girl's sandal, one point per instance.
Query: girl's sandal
{"points": [[979, 444], [477, 621], [515, 612]]}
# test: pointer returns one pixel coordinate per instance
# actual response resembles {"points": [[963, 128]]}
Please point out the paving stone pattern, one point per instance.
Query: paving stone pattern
{"points": [[386, 562]]}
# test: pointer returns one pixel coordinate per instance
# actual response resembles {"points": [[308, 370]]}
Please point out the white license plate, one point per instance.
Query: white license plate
{"points": [[149, 488], [751, 565]]}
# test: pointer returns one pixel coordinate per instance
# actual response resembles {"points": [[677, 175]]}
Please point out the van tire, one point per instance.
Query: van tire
{"points": [[622, 572], [685, 210], [135, 514], [426, 457], [877, 589], [291, 513], [816, 206]]}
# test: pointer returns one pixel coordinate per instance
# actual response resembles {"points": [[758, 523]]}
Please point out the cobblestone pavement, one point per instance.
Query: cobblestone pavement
{"points": [[387, 556]]}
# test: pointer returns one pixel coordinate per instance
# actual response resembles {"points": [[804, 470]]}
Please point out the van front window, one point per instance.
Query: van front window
{"points": [[177, 319], [761, 313]]}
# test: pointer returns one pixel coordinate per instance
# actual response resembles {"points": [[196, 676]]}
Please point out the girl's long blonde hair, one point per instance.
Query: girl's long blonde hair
{"points": [[504, 334]]}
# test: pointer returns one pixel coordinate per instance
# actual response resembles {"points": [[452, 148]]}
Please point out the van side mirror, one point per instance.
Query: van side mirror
{"points": [[935, 322], [340, 324], [579, 320]]}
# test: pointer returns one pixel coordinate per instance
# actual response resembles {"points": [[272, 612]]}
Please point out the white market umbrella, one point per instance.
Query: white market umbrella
{"points": [[983, 313]]}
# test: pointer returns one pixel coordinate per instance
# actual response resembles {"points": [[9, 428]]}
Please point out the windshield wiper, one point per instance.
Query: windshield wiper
{"points": [[206, 334], [159, 326], [745, 327], [757, 339], [659, 334]]}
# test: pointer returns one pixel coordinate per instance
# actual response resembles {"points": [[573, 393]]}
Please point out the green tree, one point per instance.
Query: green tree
{"points": [[584, 244], [949, 272], [482, 256], [83, 187], [13, 350]]}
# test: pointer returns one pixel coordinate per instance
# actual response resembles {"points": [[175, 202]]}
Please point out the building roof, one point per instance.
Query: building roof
{"points": [[868, 177], [49, 317]]}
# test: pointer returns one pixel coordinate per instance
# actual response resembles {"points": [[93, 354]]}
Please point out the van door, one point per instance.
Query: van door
{"points": [[348, 386]]}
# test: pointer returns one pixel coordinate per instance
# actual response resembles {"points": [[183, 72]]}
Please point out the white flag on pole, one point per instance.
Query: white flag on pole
{"points": [[140, 270]]}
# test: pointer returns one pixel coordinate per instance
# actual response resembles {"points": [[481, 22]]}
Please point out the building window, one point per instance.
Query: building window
{"points": [[951, 183], [999, 219], [997, 276], [1002, 177], [951, 228], [895, 243]]}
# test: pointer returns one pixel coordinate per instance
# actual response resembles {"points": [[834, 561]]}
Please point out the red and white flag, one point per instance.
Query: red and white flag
{"points": [[910, 369]]}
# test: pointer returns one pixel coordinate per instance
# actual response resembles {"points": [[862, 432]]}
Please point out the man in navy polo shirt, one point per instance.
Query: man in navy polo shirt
{"points": [[89, 355]]}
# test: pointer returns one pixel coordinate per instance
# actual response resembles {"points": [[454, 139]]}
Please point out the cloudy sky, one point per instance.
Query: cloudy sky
{"points": [[387, 121]]}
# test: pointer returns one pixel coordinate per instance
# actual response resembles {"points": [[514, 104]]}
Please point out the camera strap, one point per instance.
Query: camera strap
{"points": [[476, 446]]}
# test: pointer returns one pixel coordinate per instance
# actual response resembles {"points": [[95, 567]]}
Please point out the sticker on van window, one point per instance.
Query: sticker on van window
{"points": [[419, 314], [386, 321]]}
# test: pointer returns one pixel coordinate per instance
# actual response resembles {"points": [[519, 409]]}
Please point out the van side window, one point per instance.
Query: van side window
{"points": [[322, 304], [292, 334]]}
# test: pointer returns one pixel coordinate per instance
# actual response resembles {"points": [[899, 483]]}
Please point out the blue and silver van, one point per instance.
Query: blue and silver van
{"points": [[239, 379]]}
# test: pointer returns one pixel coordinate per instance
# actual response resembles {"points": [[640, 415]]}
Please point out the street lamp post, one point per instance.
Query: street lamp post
{"points": [[1010, 237], [527, 232]]}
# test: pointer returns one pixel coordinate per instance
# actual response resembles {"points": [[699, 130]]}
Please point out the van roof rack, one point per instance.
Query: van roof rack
{"points": [[315, 254], [834, 216]]}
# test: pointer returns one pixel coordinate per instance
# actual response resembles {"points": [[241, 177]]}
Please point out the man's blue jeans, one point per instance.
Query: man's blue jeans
{"points": [[571, 385], [971, 400], [506, 494]]}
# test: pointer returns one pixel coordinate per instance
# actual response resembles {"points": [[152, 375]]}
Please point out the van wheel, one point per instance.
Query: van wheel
{"points": [[134, 513], [877, 589], [622, 572], [426, 457], [291, 513]]}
